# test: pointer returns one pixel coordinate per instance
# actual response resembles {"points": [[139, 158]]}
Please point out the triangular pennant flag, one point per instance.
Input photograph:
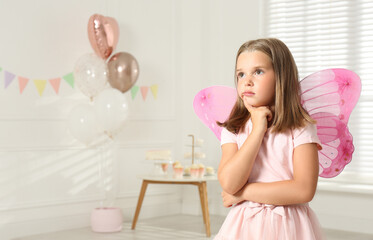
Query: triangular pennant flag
{"points": [[22, 82], [55, 82], [69, 78], [134, 91], [8, 77], [154, 89], [144, 92], [40, 85]]}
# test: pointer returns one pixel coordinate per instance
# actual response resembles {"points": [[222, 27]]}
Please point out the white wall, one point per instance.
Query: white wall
{"points": [[49, 181]]}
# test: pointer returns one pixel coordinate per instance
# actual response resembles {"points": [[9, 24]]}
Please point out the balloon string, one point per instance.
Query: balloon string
{"points": [[101, 180]]}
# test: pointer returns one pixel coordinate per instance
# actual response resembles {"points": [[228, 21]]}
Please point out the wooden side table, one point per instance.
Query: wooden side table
{"points": [[199, 182]]}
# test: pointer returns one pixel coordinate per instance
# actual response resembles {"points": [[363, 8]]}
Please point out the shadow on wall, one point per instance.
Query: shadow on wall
{"points": [[42, 177]]}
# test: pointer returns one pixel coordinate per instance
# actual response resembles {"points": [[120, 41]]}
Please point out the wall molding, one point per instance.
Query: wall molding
{"points": [[84, 199], [121, 145], [65, 201], [131, 118]]}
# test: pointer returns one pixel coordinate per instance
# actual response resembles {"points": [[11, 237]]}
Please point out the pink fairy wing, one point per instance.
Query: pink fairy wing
{"points": [[336, 142], [329, 96], [333, 91], [214, 104]]}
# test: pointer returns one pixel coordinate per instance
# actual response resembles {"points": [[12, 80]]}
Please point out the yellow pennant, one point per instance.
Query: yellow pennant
{"points": [[154, 89], [40, 86]]}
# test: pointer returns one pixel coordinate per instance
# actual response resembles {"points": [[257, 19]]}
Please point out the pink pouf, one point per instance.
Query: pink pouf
{"points": [[106, 220]]}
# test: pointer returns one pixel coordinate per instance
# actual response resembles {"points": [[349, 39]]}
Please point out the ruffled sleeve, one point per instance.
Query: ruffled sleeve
{"points": [[227, 137], [308, 134]]}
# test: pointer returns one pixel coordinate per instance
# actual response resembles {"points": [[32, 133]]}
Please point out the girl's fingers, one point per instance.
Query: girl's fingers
{"points": [[269, 116], [265, 110]]}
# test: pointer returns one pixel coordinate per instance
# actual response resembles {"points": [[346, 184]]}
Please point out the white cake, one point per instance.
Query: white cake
{"points": [[197, 155], [158, 155]]}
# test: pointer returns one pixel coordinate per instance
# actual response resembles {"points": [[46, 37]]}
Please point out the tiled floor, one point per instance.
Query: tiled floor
{"points": [[171, 227]]}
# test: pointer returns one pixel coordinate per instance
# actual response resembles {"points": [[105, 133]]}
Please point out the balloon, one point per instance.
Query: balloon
{"points": [[111, 109], [123, 71], [103, 34], [90, 74], [82, 123]]}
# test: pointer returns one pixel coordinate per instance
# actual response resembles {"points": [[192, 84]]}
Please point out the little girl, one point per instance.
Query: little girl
{"points": [[269, 165]]}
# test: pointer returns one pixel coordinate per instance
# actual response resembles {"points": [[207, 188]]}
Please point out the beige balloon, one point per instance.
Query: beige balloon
{"points": [[123, 71]]}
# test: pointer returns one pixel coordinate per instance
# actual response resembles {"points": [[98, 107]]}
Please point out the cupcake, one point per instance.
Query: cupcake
{"points": [[164, 167], [176, 163], [178, 171], [187, 171], [194, 171], [210, 171], [201, 170]]}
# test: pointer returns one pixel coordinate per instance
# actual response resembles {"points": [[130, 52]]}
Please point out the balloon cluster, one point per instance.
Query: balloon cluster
{"points": [[92, 72]]}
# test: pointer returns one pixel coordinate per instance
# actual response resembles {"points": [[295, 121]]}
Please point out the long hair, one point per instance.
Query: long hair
{"points": [[289, 113]]}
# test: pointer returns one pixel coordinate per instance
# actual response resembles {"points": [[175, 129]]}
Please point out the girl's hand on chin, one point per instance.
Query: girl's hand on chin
{"points": [[260, 116]]}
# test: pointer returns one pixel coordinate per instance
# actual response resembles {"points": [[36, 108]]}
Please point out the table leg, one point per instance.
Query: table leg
{"points": [[204, 205], [139, 203], [201, 197]]}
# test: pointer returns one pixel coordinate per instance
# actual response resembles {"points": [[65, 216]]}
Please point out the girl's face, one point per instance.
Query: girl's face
{"points": [[256, 79]]}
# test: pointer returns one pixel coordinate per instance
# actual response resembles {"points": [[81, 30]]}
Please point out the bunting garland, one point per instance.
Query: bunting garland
{"points": [[39, 84], [144, 91], [55, 83]]}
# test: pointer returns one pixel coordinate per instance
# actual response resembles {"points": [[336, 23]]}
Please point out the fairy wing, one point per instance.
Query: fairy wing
{"points": [[329, 96], [214, 104]]}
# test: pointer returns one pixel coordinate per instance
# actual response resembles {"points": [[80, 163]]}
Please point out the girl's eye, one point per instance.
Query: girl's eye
{"points": [[240, 75], [258, 72]]}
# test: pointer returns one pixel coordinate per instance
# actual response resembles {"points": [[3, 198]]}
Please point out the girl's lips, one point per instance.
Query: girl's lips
{"points": [[248, 94]]}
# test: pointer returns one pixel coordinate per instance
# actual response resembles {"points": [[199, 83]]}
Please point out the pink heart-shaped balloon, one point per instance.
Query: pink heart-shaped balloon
{"points": [[103, 34]]}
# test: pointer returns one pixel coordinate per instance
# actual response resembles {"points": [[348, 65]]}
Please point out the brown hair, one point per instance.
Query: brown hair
{"points": [[289, 116]]}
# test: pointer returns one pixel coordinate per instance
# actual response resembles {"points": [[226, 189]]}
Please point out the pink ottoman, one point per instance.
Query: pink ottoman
{"points": [[106, 220]]}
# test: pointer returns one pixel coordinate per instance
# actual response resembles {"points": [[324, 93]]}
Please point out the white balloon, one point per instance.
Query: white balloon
{"points": [[111, 109], [83, 123], [90, 73]]}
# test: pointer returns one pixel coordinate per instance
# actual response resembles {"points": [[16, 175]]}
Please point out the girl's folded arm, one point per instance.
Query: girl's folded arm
{"points": [[236, 165], [301, 189]]}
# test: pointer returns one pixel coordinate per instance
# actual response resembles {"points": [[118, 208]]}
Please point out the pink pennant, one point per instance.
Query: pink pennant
{"points": [[144, 92], [22, 82], [55, 82], [8, 77]]}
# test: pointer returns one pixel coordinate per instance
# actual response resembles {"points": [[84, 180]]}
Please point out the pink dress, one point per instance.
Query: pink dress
{"points": [[255, 221]]}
